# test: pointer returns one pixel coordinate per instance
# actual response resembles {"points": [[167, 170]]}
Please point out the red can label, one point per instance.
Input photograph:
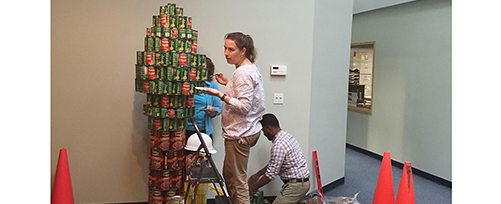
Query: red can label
{"points": [[152, 73], [194, 46], [189, 25], [193, 74], [171, 113], [146, 87], [186, 88], [190, 101], [183, 60], [148, 32], [165, 101], [174, 32], [165, 44], [164, 21], [150, 60]]}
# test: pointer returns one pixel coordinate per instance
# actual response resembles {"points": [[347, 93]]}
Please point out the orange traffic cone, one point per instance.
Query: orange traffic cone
{"points": [[406, 188], [384, 186], [62, 192]]}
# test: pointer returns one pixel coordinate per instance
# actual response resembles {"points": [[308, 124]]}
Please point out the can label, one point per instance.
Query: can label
{"points": [[155, 111], [186, 88], [160, 87], [173, 22], [157, 31], [171, 8], [182, 21], [156, 21], [167, 58], [139, 85], [175, 59], [165, 124], [163, 112], [182, 33], [164, 21], [183, 60], [152, 73], [165, 101], [174, 33], [194, 35], [149, 43], [158, 59], [188, 22], [153, 87], [203, 74], [194, 45], [193, 74], [190, 101], [158, 43], [157, 124], [165, 44], [179, 11], [187, 46], [148, 32], [165, 32], [161, 72], [140, 58]]}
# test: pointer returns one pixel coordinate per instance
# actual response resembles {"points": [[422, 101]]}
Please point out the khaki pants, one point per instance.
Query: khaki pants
{"points": [[292, 192], [235, 167]]}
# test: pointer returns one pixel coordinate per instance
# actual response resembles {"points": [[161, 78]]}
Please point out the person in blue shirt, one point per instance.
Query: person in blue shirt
{"points": [[206, 106]]}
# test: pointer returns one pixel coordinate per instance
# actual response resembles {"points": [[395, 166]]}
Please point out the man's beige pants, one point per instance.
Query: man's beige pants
{"points": [[235, 167], [292, 192]]}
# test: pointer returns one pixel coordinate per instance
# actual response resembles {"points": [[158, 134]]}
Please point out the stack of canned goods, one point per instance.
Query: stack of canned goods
{"points": [[167, 71]]}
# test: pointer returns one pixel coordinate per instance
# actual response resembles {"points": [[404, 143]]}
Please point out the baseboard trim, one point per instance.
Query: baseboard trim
{"points": [[419, 172]]}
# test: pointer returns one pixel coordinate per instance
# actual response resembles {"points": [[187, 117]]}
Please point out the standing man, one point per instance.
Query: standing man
{"points": [[287, 161]]}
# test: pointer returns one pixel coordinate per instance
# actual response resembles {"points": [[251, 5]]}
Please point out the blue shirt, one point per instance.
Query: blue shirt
{"points": [[204, 121]]}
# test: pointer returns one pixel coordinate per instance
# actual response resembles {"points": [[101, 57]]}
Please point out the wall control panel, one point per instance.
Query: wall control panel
{"points": [[278, 70]]}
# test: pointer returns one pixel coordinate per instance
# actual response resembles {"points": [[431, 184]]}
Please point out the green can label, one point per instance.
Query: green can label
{"points": [[166, 32], [182, 33], [182, 21], [140, 57], [171, 9], [158, 44], [149, 43], [141, 72]]}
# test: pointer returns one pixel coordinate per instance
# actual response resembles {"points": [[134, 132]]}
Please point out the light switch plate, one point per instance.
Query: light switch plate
{"points": [[278, 98]]}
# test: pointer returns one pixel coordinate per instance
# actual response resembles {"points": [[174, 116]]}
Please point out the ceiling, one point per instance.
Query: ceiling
{"points": [[360, 6]]}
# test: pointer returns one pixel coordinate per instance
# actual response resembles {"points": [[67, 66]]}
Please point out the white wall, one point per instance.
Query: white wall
{"points": [[98, 117], [412, 86]]}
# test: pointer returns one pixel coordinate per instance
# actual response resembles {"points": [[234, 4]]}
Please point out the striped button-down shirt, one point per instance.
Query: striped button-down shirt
{"points": [[241, 115], [287, 159]]}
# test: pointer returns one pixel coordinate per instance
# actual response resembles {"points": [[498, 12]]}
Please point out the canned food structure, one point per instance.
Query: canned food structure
{"points": [[167, 71]]}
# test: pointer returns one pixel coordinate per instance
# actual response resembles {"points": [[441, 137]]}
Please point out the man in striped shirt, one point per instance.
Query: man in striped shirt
{"points": [[287, 161]]}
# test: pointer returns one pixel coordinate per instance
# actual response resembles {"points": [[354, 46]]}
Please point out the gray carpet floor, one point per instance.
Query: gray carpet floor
{"points": [[362, 173]]}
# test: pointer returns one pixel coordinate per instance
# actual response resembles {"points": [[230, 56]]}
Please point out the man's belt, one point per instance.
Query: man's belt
{"points": [[295, 180]]}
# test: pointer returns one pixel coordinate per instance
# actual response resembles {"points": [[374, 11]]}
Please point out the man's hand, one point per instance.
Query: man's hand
{"points": [[211, 111]]}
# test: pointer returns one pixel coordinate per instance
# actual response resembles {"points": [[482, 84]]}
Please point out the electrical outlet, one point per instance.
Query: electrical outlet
{"points": [[278, 98]]}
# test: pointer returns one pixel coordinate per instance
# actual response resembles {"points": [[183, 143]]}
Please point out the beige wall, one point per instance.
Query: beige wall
{"points": [[97, 116]]}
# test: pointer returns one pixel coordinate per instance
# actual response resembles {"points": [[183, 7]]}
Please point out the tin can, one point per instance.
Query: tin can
{"points": [[171, 8], [165, 124], [165, 181], [177, 74], [171, 113], [163, 10], [165, 101], [185, 89], [183, 60], [165, 32], [173, 22], [141, 72], [182, 33], [193, 59], [140, 57], [174, 33], [176, 143], [181, 45], [156, 162], [188, 22], [181, 124], [155, 112], [190, 101], [146, 86], [177, 87], [175, 59], [172, 124], [187, 46], [153, 87], [182, 21], [157, 31], [170, 73], [157, 198], [194, 45], [158, 58], [180, 113], [150, 58], [164, 143], [154, 139], [168, 58], [164, 20], [165, 44], [203, 74], [148, 32], [202, 61], [154, 100], [161, 71], [193, 74], [156, 21], [168, 87], [149, 43], [147, 110], [152, 72], [191, 112], [152, 180], [181, 157], [189, 34], [179, 11], [158, 44], [174, 44], [139, 85], [173, 101], [194, 35], [160, 87]]}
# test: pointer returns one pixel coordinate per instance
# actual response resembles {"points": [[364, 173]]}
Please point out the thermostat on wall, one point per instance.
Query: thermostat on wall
{"points": [[278, 70]]}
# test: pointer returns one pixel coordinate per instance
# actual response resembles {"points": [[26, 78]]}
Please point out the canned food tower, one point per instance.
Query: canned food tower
{"points": [[167, 71]]}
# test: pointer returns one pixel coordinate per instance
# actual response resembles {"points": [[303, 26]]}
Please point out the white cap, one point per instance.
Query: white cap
{"points": [[193, 143]]}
